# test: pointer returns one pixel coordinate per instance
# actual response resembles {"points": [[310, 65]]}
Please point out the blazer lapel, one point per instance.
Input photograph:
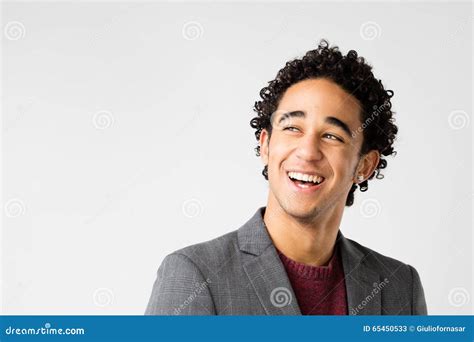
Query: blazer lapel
{"points": [[264, 269], [271, 284], [362, 283], [268, 277]]}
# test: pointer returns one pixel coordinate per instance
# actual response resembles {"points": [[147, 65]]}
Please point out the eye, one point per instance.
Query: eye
{"points": [[290, 128], [332, 137]]}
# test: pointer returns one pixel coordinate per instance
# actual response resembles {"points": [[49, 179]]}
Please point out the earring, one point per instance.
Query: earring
{"points": [[360, 178]]}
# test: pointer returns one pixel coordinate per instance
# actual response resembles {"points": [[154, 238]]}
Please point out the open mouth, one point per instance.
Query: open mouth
{"points": [[305, 181]]}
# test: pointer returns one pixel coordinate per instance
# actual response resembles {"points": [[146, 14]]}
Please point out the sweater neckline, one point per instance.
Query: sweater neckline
{"points": [[308, 271]]}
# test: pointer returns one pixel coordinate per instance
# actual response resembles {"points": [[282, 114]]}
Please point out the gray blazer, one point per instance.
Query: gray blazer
{"points": [[240, 273]]}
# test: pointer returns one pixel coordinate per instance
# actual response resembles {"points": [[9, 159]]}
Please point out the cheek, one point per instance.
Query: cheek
{"points": [[278, 149], [342, 165]]}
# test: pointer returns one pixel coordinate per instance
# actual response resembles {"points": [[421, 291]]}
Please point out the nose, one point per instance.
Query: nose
{"points": [[309, 149]]}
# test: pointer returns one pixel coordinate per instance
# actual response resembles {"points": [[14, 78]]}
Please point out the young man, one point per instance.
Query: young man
{"points": [[324, 125]]}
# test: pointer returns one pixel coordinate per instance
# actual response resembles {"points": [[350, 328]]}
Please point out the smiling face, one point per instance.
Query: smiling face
{"points": [[311, 136]]}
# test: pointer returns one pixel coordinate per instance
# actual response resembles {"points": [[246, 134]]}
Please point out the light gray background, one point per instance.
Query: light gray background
{"points": [[125, 136]]}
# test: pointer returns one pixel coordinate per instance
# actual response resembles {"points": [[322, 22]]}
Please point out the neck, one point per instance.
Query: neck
{"points": [[308, 241]]}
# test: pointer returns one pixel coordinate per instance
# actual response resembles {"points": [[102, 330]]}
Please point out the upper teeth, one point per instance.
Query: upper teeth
{"points": [[305, 177]]}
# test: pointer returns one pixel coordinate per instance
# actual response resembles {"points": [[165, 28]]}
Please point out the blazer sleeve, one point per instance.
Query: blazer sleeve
{"points": [[180, 289], [418, 294]]}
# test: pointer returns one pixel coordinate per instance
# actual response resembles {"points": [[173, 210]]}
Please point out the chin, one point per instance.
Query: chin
{"points": [[305, 212]]}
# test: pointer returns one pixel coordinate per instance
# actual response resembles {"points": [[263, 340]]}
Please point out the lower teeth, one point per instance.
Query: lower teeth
{"points": [[305, 184]]}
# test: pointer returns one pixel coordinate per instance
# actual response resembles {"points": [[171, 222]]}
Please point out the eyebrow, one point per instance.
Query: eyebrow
{"points": [[331, 120]]}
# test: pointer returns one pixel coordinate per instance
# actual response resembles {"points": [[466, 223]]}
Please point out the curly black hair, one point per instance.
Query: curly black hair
{"points": [[355, 76]]}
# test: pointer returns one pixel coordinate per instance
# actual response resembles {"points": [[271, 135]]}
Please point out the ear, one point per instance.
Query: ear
{"points": [[263, 141], [367, 165]]}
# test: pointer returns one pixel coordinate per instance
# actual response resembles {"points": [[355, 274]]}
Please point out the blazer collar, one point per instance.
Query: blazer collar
{"points": [[253, 235], [268, 277]]}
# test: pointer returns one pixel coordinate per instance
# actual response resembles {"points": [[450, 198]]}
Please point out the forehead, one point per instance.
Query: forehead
{"points": [[321, 97]]}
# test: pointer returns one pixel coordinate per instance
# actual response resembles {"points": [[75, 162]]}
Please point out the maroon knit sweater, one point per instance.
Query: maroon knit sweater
{"points": [[319, 290]]}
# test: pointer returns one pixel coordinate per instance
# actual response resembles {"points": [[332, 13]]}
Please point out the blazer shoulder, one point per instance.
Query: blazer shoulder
{"points": [[183, 285], [382, 263], [212, 252], [404, 276]]}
